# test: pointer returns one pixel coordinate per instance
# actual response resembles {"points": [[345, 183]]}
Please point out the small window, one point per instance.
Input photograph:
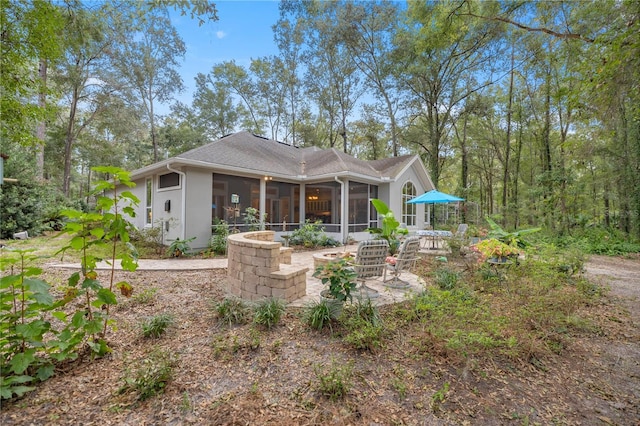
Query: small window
{"points": [[408, 210], [148, 202], [169, 180]]}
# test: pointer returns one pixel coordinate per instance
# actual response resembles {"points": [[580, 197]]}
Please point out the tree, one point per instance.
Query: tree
{"points": [[212, 109], [146, 62], [436, 51], [367, 29], [79, 76], [29, 39]]}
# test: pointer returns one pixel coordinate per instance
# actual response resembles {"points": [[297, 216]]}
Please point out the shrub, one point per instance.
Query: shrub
{"points": [[152, 375], [232, 311], [180, 247], [446, 279], [334, 381], [363, 335], [156, 325], [150, 237], [145, 296], [28, 206], [317, 315], [268, 312], [31, 343], [218, 241], [311, 235]]}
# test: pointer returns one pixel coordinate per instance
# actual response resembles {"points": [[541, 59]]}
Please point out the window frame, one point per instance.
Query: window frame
{"points": [[409, 211], [169, 188]]}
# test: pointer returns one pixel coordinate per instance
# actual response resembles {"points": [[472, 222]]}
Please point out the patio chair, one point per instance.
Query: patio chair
{"points": [[462, 231], [407, 256], [369, 263]]}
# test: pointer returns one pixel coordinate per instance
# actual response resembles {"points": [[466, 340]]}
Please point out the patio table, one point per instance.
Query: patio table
{"points": [[426, 234]]}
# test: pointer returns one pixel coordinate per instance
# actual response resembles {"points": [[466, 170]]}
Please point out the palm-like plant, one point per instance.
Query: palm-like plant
{"points": [[391, 230]]}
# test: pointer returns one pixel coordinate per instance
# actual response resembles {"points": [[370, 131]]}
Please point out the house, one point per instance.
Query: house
{"points": [[286, 184]]}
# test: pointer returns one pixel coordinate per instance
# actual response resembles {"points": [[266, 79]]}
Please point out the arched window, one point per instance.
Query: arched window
{"points": [[408, 210]]}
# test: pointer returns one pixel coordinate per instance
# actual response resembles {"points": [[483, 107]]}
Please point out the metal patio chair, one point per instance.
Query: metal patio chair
{"points": [[369, 263], [407, 257]]}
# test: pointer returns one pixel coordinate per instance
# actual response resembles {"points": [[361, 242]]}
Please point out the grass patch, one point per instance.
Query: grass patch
{"points": [[156, 325], [232, 311], [268, 312], [151, 376], [524, 311]]}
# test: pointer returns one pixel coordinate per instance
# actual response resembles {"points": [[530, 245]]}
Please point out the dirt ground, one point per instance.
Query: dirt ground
{"points": [[231, 377]]}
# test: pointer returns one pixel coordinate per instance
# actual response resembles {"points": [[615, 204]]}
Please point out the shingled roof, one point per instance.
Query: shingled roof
{"points": [[257, 154]]}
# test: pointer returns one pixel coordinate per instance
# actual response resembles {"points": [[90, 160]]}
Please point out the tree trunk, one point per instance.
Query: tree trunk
{"points": [[42, 126], [69, 139], [507, 150]]}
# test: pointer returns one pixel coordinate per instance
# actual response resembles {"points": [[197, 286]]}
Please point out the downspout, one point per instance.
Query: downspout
{"points": [[184, 200], [343, 228]]}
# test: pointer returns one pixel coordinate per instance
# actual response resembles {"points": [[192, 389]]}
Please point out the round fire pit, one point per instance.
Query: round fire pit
{"points": [[324, 258]]}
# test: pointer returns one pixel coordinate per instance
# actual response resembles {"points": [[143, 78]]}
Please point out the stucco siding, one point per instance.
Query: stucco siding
{"points": [[198, 207], [409, 175], [138, 191]]}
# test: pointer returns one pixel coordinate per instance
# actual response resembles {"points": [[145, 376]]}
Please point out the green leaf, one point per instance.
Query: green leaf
{"points": [[37, 286], [94, 326], [21, 361], [380, 206], [78, 319], [62, 316], [33, 330], [32, 271], [74, 279], [44, 372], [92, 284], [19, 390], [97, 232], [9, 280], [22, 378], [76, 243], [106, 296]]}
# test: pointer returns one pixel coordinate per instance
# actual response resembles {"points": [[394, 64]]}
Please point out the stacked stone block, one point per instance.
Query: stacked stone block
{"points": [[259, 267]]}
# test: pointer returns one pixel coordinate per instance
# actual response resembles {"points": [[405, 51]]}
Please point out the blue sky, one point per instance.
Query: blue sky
{"points": [[242, 32]]}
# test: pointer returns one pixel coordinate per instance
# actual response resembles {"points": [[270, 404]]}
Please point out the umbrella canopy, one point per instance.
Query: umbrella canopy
{"points": [[434, 197]]}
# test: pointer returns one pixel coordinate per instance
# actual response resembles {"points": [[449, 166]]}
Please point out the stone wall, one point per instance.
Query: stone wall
{"points": [[259, 267]]}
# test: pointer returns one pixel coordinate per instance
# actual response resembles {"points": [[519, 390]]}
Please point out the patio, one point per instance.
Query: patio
{"points": [[298, 258]]}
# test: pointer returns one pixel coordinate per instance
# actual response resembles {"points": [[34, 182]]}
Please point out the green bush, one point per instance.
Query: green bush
{"points": [[31, 343], [334, 380], [446, 279], [218, 241], [151, 376], [319, 314], [231, 311], [268, 312], [156, 325], [362, 334], [311, 235], [29, 206]]}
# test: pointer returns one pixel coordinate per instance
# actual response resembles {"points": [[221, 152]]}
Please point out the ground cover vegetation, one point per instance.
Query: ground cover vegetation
{"points": [[528, 110], [511, 344]]}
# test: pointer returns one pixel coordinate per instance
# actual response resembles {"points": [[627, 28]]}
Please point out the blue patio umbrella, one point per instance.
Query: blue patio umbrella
{"points": [[434, 197]]}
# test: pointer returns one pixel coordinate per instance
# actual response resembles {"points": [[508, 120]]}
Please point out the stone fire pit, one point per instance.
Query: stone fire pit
{"points": [[324, 258]]}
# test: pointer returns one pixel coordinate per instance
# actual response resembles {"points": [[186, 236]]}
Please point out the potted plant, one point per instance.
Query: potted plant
{"points": [[391, 229], [495, 250], [340, 278]]}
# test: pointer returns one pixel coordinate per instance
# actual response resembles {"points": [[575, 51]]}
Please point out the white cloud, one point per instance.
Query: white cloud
{"points": [[221, 34]]}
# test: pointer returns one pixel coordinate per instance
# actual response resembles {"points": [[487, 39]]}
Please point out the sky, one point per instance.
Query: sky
{"points": [[242, 32]]}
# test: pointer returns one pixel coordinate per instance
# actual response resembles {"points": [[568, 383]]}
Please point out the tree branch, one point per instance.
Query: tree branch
{"points": [[568, 36]]}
